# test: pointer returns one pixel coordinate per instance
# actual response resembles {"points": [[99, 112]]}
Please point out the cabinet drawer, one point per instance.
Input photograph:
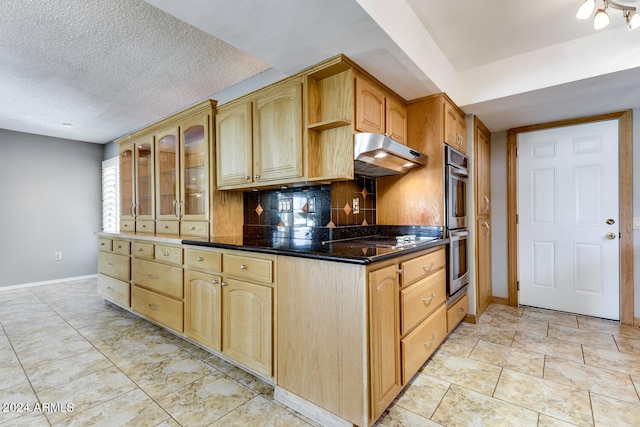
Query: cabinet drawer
{"points": [[168, 227], [161, 278], [121, 247], [422, 342], [105, 245], [194, 229], [163, 310], [456, 312], [420, 267], [168, 254], [203, 260], [145, 226], [127, 226], [142, 250], [422, 298], [248, 268], [114, 265], [114, 290]]}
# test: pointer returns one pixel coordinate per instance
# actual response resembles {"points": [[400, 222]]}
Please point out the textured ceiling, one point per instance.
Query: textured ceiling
{"points": [[106, 67]]}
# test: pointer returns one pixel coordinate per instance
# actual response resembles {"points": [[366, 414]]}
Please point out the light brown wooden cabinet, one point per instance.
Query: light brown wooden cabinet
{"points": [[203, 308], [259, 138], [378, 111], [482, 176], [455, 128], [114, 270], [384, 319], [137, 202]]}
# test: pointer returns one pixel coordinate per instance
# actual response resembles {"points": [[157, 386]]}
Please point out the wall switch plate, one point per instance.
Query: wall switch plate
{"points": [[57, 256], [311, 204], [356, 206], [636, 223]]}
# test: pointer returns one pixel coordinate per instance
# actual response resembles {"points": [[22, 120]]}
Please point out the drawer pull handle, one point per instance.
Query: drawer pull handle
{"points": [[166, 227], [153, 307], [192, 228], [428, 299], [119, 246], [140, 249], [166, 253], [151, 276], [431, 340], [243, 267], [400, 271], [109, 287], [427, 268], [199, 259], [102, 244], [460, 310], [111, 264], [215, 281]]}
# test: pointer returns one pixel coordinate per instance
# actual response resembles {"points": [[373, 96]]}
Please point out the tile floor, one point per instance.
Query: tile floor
{"points": [[83, 362]]}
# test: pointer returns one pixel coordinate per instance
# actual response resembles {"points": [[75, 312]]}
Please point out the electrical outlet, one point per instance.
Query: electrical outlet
{"points": [[57, 256], [356, 205]]}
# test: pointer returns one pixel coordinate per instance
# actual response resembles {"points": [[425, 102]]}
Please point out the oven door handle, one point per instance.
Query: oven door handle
{"points": [[458, 234]]}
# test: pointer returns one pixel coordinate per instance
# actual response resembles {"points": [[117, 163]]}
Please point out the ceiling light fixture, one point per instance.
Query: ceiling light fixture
{"points": [[601, 18]]}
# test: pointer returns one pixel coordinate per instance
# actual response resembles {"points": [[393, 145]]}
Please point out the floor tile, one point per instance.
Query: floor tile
{"points": [[608, 326], [556, 400], [614, 413], [520, 324], [613, 360], [423, 394], [550, 316], [526, 362], [463, 407], [134, 408], [260, 412], [628, 345], [598, 380], [547, 421], [550, 346], [20, 394], [484, 332], [396, 416], [170, 374], [460, 346], [591, 338], [86, 392], [465, 372], [53, 350], [205, 400]]}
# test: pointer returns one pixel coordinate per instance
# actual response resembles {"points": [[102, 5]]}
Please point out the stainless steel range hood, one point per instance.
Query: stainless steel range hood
{"points": [[378, 155]]}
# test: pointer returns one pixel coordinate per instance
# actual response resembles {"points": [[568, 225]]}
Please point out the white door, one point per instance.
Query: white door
{"points": [[568, 247]]}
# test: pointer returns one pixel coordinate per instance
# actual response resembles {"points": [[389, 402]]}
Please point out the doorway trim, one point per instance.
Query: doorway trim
{"points": [[625, 180]]}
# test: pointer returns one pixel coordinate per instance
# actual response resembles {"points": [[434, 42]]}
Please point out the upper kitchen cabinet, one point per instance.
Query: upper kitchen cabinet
{"points": [[455, 131], [378, 111], [259, 138], [182, 176], [136, 184]]}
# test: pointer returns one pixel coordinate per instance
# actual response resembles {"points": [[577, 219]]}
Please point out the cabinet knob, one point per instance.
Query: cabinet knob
{"points": [[199, 259], [192, 228], [247, 177], [223, 283], [140, 249], [243, 267], [256, 177], [166, 254], [215, 281]]}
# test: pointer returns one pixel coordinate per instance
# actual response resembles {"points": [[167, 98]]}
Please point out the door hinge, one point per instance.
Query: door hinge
{"points": [[518, 285], [517, 219]]}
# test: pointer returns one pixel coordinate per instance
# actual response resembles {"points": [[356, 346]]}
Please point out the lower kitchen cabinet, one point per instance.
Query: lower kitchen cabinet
{"points": [[159, 308], [247, 324], [456, 312], [203, 308]]}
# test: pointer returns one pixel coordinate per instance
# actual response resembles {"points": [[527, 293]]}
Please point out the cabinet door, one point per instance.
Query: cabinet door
{"points": [[203, 308], [483, 172], [454, 128], [384, 340], [143, 150], [370, 106], [194, 173], [167, 167], [277, 131], [247, 319], [396, 120], [127, 184], [234, 155], [483, 264]]}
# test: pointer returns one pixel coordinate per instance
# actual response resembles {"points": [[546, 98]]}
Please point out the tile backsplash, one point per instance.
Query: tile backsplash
{"points": [[314, 206]]}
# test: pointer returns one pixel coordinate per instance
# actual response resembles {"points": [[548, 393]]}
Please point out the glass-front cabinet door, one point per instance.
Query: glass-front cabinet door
{"points": [[167, 168], [195, 167], [127, 188], [144, 178]]}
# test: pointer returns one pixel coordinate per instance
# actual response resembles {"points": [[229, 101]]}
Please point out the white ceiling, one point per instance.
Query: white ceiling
{"points": [[111, 67]]}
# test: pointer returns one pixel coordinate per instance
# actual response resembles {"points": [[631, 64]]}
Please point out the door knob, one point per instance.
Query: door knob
{"points": [[610, 221], [610, 236]]}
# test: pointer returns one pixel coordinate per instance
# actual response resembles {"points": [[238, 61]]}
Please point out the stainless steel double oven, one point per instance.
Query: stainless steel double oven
{"points": [[456, 176]]}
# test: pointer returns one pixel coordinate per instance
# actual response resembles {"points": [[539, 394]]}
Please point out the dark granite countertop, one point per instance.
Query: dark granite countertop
{"points": [[356, 249]]}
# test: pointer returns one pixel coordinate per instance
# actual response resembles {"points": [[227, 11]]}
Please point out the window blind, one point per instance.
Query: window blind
{"points": [[110, 195]]}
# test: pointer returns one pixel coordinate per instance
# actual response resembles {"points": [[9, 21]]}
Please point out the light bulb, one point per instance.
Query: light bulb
{"points": [[586, 9], [633, 20], [601, 19]]}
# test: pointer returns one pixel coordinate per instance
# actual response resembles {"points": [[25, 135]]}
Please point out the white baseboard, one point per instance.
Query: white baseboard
{"points": [[47, 282]]}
